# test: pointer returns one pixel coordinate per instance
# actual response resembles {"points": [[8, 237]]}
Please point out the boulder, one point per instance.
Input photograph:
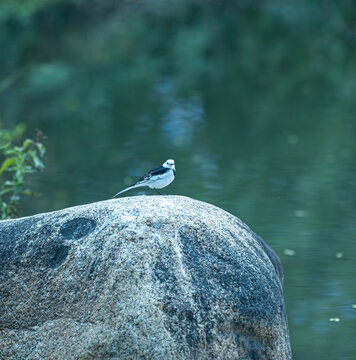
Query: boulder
{"points": [[144, 277]]}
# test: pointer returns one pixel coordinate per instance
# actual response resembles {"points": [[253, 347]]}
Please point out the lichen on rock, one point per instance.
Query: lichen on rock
{"points": [[146, 277]]}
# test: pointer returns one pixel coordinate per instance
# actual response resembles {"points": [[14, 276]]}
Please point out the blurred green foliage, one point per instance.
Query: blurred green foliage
{"points": [[17, 162]]}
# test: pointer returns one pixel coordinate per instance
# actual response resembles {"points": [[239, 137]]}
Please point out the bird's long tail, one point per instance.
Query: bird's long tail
{"points": [[129, 188]]}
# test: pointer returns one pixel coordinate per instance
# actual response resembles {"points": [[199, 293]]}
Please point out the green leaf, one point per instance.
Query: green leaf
{"points": [[14, 183], [10, 151], [41, 149], [5, 146], [27, 142], [8, 162], [4, 191], [38, 163], [29, 169], [9, 183], [27, 192]]}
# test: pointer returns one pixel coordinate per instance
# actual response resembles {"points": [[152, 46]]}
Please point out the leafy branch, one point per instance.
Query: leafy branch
{"points": [[18, 161]]}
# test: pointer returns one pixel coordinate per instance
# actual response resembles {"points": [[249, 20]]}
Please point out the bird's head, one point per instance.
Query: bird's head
{"points": [[169, 164]]}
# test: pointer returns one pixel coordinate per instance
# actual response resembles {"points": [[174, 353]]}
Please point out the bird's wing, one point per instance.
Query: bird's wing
{"points": [[154, 172], [157, 172]]}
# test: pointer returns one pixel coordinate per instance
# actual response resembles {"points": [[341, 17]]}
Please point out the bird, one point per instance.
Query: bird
{"points": [[157, 178]]}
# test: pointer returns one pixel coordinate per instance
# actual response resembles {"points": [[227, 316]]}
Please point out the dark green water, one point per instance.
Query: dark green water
{"points": [[255, 103]]}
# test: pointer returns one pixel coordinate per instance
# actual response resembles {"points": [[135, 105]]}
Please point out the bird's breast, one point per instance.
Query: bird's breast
{"points": [[161, 181]]}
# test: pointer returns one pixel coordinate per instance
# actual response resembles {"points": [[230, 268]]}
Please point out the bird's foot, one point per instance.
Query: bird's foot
{"points": [[159, 192]]}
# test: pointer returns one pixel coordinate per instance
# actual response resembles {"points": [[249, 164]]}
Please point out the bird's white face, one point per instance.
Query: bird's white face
{"points": [[169, 164]]}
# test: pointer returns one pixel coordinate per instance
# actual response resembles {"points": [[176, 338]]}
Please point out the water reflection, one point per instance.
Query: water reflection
{"points": [[181, 118], [257, 109]]}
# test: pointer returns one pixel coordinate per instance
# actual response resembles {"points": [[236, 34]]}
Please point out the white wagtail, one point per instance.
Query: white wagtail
{"points": [[157, 178]]}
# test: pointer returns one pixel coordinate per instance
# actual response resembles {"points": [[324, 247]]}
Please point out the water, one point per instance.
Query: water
{"points": [[255, 105]]}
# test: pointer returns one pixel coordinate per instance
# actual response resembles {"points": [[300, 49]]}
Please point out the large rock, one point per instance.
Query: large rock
{"points": [[146, 277]]}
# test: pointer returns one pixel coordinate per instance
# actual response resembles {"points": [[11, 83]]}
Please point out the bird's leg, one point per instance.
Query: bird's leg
{"points": [[159, 192]]}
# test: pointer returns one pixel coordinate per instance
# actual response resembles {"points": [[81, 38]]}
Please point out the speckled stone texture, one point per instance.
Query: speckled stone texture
{"points": [[145, 277]]}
